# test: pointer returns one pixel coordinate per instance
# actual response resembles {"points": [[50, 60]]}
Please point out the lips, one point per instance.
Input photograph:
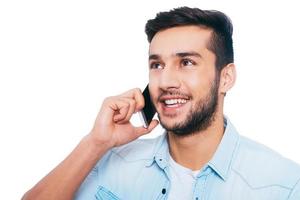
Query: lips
{"points": [[172, 101]]}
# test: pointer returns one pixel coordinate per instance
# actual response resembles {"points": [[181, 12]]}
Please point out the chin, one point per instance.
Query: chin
{"points": [[169, 122]]}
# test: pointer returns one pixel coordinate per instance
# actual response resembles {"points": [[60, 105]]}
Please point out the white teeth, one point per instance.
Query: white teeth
{"points": [[174, 101]]}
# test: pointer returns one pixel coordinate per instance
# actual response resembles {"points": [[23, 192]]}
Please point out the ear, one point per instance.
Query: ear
{"points": [[227, 78]]}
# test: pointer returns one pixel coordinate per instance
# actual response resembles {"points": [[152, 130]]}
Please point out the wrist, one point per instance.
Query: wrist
{"points": [[96, 146]]}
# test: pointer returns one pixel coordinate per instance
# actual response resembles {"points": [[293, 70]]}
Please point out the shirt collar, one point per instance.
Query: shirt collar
{"points": [[161, 152], [221, 160]]}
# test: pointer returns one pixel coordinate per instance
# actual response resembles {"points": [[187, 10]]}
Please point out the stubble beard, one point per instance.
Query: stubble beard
{"points": [[199, 117]]}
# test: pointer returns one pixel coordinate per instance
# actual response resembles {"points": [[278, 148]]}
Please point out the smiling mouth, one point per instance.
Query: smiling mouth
{"points": [[172, 103]]}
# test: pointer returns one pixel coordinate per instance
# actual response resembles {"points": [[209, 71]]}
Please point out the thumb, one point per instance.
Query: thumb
{"points": [[142, 130]]}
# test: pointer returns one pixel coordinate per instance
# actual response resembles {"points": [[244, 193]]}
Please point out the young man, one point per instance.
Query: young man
{"points": [[200, 155]]}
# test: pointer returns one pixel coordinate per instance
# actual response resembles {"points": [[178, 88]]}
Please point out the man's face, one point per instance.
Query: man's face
{"points": [[182, 79]]}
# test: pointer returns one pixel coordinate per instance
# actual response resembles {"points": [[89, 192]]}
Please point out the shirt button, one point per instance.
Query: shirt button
{"points": [[163, 191], [197, 198]]}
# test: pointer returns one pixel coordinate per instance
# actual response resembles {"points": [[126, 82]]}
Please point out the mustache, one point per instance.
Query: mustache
{"points": [[173, 92]]}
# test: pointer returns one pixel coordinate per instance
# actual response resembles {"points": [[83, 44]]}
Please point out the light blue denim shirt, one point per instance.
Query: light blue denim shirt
{"points": [[240, 169]]}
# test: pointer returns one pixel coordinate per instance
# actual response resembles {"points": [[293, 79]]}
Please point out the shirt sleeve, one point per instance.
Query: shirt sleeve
{"points": [[88, 188], [90, 185], [295, 193]]}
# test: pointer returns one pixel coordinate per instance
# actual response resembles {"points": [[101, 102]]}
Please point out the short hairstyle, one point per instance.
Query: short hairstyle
{"points": [[221, 39]]}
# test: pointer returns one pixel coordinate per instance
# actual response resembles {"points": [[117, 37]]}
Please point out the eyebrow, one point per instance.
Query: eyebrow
{"points": [[179, 54], [191, 53], [154, 57]]}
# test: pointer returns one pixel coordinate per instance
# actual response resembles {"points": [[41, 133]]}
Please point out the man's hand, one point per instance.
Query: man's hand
{"points": [[112, 126]]}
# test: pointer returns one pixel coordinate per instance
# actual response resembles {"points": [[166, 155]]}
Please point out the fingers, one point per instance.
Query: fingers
{"points": [[135, 94], [112, 123], [126, 111], [130, 102], [139, 131], [119, 109]]}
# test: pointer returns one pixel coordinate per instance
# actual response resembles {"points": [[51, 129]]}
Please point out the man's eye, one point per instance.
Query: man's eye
{"points": [[187, 62], [156, 65]]}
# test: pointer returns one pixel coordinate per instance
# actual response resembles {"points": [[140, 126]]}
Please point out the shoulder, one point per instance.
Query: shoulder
{"points": [[138, 149], [135, 151], [261, 166]]}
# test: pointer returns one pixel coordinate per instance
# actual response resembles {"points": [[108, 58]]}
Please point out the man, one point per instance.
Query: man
{"points": [[201, 155]]}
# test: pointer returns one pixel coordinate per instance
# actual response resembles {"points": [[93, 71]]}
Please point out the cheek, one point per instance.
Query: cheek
{"points": [[153, 80], [194, 81], [153, 86], [198, 83]]}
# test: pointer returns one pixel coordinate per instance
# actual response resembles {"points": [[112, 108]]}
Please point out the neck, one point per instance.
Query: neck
{"points": [[195, 150]]}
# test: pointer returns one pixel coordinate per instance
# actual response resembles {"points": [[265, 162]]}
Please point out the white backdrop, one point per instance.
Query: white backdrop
{"points": [[59, 59]]}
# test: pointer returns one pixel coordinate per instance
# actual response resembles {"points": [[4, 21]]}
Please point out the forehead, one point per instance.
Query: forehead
{"points": [[180, 39]]}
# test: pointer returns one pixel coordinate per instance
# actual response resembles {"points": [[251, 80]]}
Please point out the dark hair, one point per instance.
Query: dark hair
{"points": [[221, 39]]}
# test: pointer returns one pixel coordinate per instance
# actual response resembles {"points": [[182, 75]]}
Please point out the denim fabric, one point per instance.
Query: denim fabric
{"points": [[240, 169]]}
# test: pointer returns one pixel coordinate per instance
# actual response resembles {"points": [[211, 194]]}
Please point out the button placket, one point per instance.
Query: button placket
{"points": [[200, 184]]}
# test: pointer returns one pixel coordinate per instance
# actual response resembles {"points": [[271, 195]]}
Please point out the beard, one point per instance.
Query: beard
{"points": [[199, 117]]}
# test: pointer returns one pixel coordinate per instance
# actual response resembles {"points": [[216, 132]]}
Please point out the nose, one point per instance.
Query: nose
{"points": [[169, 79]]}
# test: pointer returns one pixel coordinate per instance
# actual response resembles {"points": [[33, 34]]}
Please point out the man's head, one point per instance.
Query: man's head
{"points": [[190, 61], [220, 41]]}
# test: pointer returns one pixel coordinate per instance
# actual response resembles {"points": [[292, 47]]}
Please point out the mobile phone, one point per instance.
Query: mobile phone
{"points": [[148, 112]]}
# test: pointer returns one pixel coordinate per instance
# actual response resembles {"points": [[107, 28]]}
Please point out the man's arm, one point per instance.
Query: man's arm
{"points": [[63, 181], [112, 128]]}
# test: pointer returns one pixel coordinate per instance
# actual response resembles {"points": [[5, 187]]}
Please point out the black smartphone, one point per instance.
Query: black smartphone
{"points": [[148, 112]]}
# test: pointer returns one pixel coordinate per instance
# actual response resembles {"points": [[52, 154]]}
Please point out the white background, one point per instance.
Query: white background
{"points": [[59, 59]]}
